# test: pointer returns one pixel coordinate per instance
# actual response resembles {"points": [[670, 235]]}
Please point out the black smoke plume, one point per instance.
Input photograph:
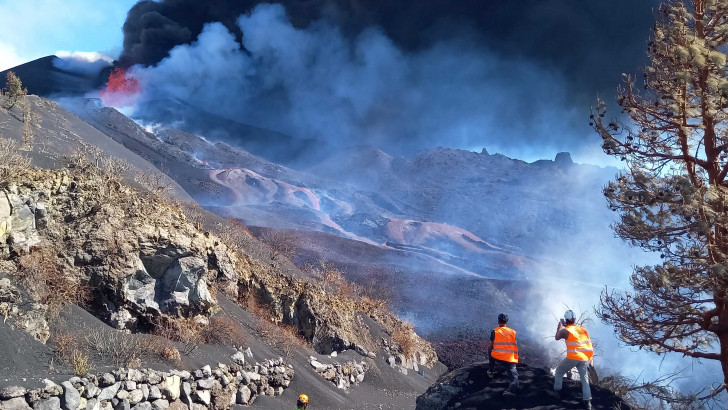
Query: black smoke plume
{"points": [[590, 42]]}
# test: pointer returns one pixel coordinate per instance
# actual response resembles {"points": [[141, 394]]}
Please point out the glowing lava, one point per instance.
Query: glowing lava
{"points": [[121, 91]]}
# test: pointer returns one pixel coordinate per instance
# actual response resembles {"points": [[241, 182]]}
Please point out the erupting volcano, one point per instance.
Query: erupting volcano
{"points": [[121, 91]]}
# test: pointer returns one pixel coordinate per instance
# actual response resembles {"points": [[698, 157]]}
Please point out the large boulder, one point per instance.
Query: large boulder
{"points": [[183, 286], [470, 388], [139, 289]]}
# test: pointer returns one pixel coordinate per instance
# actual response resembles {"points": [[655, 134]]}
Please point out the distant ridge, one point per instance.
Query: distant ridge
{"points": [[43, 78]]}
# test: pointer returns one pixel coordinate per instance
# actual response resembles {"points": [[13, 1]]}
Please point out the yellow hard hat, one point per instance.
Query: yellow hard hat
{"points": [[303, 398]]}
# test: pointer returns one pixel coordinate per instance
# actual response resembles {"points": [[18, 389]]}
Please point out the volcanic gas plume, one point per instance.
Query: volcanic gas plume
{"points": [[121, 90]]}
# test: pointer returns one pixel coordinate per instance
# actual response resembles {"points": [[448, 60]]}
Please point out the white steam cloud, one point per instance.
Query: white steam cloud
{"points": [[82, 62]]}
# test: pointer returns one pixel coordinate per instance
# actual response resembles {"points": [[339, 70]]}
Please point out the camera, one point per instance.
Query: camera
{"points": [[563, 322]]}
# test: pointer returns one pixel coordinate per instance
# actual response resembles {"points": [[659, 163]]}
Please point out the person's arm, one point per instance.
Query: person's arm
{"points": [[558, 335], [492, 339]]}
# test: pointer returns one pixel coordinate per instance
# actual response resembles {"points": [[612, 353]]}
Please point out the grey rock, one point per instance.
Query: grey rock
{"points": [[239, 358], [186, 394], [90, 391], [198, 374], [109, 393], [122, 405], [270, 392], [16, 403], [136, 375], [205, 384], [71, 398], [206, 371], [183, 285], [143, 406], [93, 404], [145, 391], [154, 393], [107, 379], [8, 292], [139, 289], [11, 392], [243, 395], [52, 403], [154, 377], [122, 394], [135, 396], [34, 395], [130, 385], [170, 388], [203, 396], [184, 375], [160, 404]]}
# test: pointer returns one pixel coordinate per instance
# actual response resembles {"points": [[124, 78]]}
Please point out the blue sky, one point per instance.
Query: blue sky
{"points": [[32, 29]]}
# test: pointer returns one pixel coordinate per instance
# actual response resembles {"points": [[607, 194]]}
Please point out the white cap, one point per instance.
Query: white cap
{"points": [[569, 315]]}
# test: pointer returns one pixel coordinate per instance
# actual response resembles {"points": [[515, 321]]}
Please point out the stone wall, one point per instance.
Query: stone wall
{"points": [[147, 389]]}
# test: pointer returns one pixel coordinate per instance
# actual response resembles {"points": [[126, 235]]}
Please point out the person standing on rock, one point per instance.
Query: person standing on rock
{"points": [[579, 352], [503, 352]]}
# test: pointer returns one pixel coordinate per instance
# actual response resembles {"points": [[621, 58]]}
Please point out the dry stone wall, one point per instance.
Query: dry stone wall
{"points": [[147, 389]]}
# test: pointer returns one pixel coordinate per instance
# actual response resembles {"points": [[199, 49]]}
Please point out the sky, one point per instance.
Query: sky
{"points": [[32, 29]]}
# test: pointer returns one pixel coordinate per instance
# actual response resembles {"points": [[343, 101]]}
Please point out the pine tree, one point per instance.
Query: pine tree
{"points": [[672, 197], [14, 91]]}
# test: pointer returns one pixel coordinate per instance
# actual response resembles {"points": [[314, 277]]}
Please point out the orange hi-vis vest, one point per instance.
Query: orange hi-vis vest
{"points": [[504, 345], [578, 344]]}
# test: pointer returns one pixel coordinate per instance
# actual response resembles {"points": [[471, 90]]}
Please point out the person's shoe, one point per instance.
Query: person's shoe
{"points": [[491, 374], [507, 393], [587, 404]]}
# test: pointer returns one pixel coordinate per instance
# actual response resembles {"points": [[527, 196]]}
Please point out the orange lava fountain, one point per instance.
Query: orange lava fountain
{"points": [[121, 91]]}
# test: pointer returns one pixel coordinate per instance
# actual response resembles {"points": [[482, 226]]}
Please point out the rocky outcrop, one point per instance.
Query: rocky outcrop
{"points": [[147, 389], [343, 375], [22, 311], [148, 264], [20, 215], [143, 260], [471, 388]]}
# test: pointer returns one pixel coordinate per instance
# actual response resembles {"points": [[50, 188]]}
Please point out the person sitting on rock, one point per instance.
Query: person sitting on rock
{"points": [[579, 352], [503, 351], [302, 402]]}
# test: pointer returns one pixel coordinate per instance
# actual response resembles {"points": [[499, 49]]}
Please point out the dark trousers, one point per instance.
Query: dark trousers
{"points": [[510, 368]]}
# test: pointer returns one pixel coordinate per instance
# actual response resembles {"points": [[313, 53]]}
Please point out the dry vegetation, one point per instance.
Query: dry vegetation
{"points": [[281, 245], [403, 335], [47, 281], [80, 348], [367, 297], [12, 161], [284, 337], [191, 333]]}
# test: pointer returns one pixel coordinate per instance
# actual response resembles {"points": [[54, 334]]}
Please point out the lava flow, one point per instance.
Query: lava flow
{"points": [[121, 91]]}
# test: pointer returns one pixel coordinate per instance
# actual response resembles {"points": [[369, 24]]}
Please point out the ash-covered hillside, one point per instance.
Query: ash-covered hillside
{"points": [[116, 291]]}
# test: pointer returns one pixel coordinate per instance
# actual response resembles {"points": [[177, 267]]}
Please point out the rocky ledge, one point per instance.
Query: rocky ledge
{"points": [[343, 375], [471, 388], [147, 389]]}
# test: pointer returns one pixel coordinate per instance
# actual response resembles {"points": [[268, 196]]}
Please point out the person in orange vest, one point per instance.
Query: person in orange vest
{"points": [[503, 351], [579, 352]]}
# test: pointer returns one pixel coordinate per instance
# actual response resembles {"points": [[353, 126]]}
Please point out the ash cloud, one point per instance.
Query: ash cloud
{"points": [[540, 64], [316, 83]]}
